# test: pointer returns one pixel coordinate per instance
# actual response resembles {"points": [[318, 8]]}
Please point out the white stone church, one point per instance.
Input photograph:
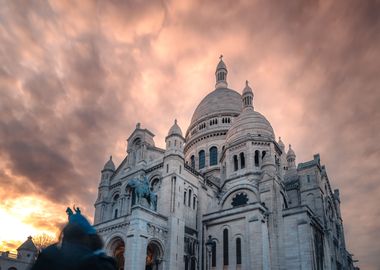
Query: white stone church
{"points": [[227, 195]]}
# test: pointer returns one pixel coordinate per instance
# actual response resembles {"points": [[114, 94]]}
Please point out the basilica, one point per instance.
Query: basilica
{"points": [[224, 195]]}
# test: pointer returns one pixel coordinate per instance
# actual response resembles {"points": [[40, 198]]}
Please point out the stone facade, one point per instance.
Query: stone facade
{"points": [[23, 260], [228, 183]]}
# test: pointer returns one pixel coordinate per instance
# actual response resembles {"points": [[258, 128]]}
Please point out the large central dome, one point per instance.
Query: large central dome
{"points": [[221, 100]]}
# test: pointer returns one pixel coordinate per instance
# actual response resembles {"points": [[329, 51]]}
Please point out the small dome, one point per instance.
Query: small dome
{"points": [[250, 122], [109, 165], [290, 152], [175, 129]]}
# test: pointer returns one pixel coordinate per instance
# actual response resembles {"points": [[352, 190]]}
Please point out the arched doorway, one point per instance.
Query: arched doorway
{"points": [[153, 256], [117, 249]]}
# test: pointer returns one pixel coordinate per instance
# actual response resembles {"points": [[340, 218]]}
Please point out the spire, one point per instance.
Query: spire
{"points": [[247, 97], [221, 74]]}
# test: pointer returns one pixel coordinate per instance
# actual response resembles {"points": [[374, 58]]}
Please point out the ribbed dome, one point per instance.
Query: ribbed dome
{"points": [[109, 165], [250, 122], [221, 100], [175, 129]]}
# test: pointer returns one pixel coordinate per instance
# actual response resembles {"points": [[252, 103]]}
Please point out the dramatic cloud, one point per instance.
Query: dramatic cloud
{"points": [[76, 77]]}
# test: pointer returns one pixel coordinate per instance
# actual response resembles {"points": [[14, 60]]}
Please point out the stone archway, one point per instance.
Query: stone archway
{"points": [[154, 256], [117, 250]]}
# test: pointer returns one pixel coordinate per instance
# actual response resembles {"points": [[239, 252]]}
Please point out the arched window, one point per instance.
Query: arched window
{"points": [[193, 202], [257, 153], [242, 161], [189, 201], [213, 254], [202, 161], [263, 154], [184, 197], [236, 164], [238, 251], [225, 247], [213, 156], [115, 214], [192, 162]]}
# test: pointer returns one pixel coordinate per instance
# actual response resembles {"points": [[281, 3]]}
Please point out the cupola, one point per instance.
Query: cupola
{"points": [[109, 166], [175, 129], [291, 158], [221, 74], [174, 141], [247, 97]]}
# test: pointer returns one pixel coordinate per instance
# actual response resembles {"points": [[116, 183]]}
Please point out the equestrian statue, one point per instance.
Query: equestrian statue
{"points": [[140, 189]]}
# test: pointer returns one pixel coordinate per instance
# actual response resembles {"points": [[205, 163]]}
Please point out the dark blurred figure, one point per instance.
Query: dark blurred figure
{"points": [[80, 248]]}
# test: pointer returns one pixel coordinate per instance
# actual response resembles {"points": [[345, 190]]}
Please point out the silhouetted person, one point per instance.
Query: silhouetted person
{"points": [[79, 249]]}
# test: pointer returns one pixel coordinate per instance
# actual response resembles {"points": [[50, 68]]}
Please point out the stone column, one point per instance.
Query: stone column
{"points": [[255, 243]]}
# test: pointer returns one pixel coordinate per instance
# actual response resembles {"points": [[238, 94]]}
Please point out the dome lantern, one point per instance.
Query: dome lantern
{"points": [[247, 97], [221, 74]]}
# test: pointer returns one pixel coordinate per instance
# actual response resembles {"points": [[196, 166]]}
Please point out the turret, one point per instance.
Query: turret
{"points": [[108, 169], [247, 97], [291, 158], [174, 141], [100, 204]]}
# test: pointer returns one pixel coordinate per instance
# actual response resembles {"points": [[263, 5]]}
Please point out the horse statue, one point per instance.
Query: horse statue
{"points": [[141, 190]]}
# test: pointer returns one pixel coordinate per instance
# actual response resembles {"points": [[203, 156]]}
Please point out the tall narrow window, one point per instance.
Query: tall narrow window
{"points": [[242, 161], [213, 254], [257, 153], [213, 156], [184, 198], [202, 160], [189, 201], [193, 202], [225, 247], [192, 162], [238, 251], [115, 215], [263, 154], [236, 164]]}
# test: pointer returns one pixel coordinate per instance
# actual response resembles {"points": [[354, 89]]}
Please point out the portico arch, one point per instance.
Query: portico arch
{"points": [[154, 256], [116, 248]]}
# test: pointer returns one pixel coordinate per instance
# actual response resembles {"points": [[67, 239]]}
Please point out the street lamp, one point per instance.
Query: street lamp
{"points": [[209, 244]]}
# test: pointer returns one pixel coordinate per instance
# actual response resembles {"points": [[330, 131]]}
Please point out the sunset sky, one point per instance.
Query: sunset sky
{"points": [[76, 77]]}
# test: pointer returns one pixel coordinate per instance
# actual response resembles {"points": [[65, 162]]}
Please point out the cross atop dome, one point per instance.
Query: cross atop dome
{"points": [[221, 74]]}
